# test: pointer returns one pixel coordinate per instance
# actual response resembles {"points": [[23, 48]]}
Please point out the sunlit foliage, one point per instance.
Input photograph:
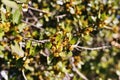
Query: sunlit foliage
{"points": [[60, 39]]}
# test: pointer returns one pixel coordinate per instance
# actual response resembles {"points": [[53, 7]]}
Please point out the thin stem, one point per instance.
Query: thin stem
{"points": [[38, 10], [34, 17], [76, 70], [23, 73], [78, 42], [38, 41], [60, 17], [31, 24], [109, 28], [96, 48]]}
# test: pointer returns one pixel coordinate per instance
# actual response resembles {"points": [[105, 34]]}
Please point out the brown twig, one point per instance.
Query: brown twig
{"points": [[34, 17]]}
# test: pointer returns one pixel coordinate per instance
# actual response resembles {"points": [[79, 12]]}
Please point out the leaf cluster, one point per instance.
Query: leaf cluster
{"points": [[60, 39]]}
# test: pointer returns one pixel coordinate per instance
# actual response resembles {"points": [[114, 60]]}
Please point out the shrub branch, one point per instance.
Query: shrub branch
{"points": [[76, 70]]}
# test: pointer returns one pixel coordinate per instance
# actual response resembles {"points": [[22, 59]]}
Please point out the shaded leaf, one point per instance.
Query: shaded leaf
{"points": [[19, 63], [48, 45]]}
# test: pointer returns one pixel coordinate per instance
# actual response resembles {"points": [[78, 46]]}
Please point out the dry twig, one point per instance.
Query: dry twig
{"points": [[87, 48], [42, 11], [76, 70], [31, 24], [23, 73], [60, 17], [37, 41], [96, 48]]}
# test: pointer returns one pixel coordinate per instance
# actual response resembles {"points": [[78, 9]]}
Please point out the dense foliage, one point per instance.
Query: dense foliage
{"points": [[59, 39]]}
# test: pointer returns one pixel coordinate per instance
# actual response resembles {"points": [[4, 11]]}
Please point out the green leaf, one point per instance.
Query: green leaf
{"points": [[61, 66], [11, 4], [46, 18], [69, 35], [16, 16], [1, 53], [49, 59], [103, 16], [73, 40], [3, 17], [69, 54], [23, 1], [27, 67], [28, 44], [21, 27], [48, 45], [58, 37], [68, 28], [34, 50], [1, 35], [1, 47], [17, 50], [93, 54]]}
